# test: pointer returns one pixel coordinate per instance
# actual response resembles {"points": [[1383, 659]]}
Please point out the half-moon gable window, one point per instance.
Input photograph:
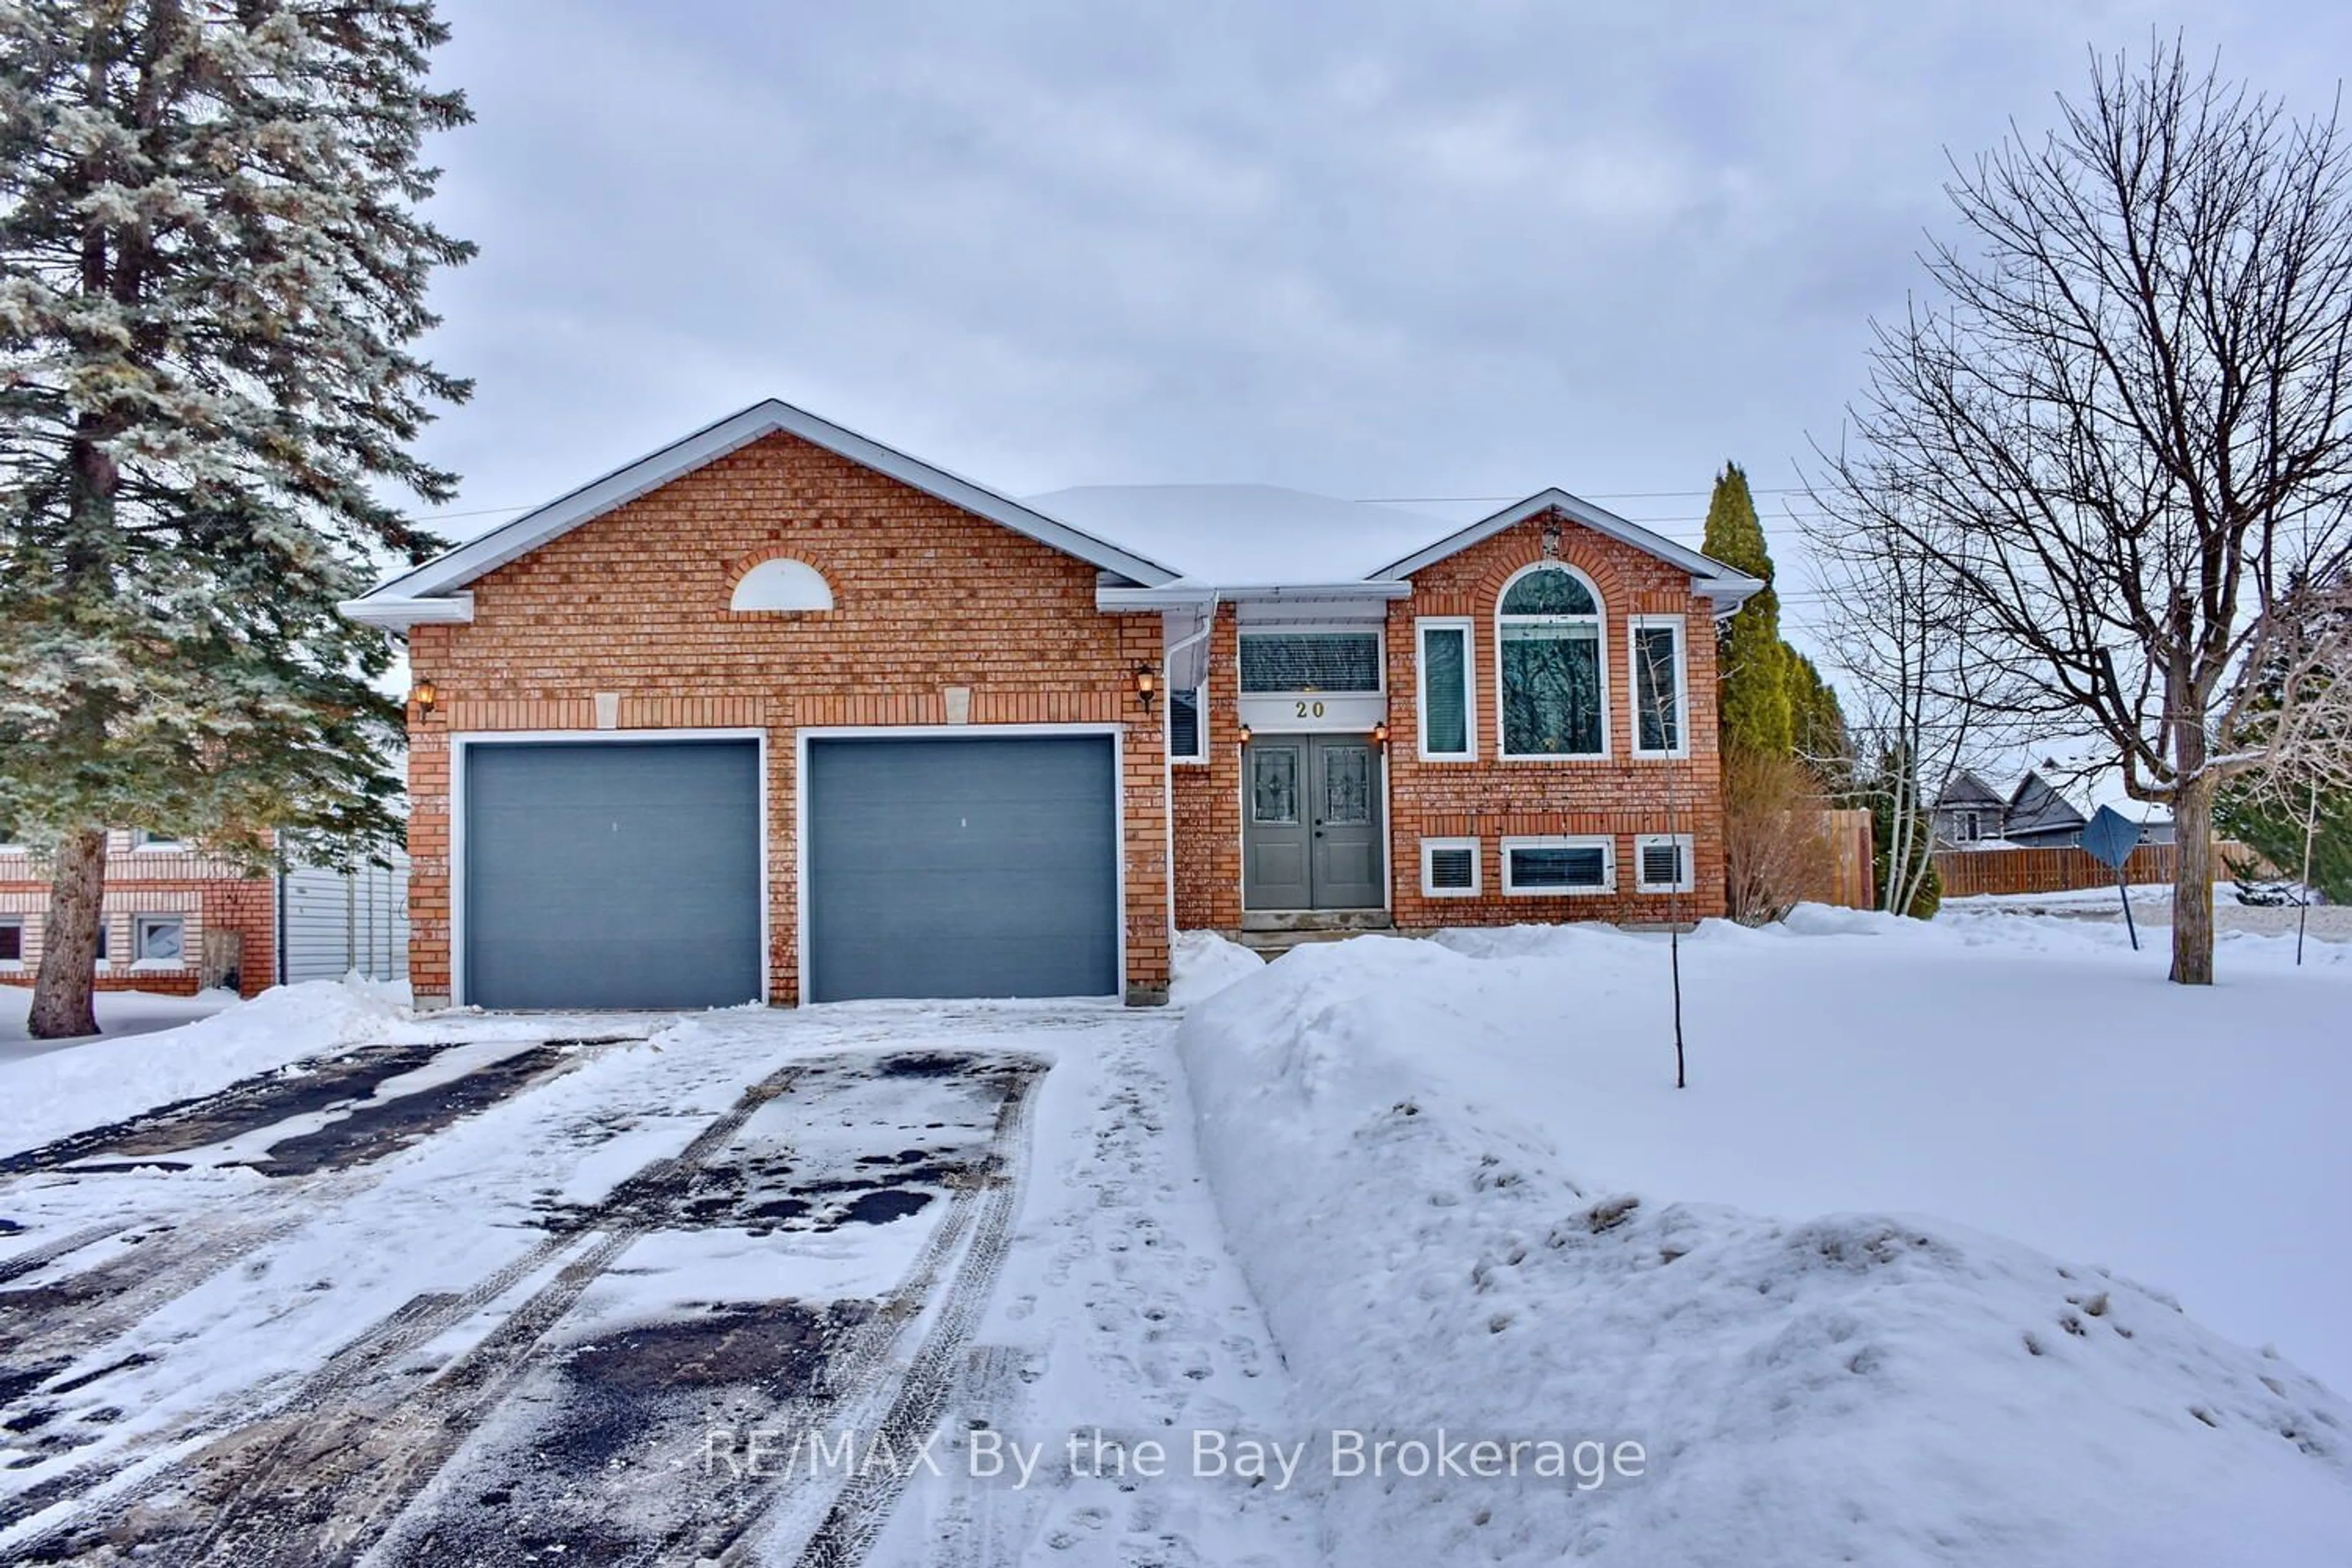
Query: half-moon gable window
{"points": [[782, 585]]}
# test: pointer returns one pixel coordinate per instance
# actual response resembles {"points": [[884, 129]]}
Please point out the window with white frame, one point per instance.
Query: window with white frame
{"points": [[159, 940], [1657, 645], [1559, 865], [1554, 701], [1188, 727], [102, 957], [1311, 661], [1449, 867], [1972, 827], [1447, 693], [142, 839], [1661, 863], [12, 941]]}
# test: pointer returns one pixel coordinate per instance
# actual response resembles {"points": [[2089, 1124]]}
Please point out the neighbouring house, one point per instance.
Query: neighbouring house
{"points": [[1971, 815], [781, 713], [177, 920]]}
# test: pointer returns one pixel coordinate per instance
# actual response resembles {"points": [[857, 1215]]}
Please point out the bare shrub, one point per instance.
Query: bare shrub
{"points": [[1774, 848]]}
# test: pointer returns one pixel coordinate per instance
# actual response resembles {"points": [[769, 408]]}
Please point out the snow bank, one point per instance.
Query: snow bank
{"points": [[1860, 1387], [1202, 964], [49, 1096]]}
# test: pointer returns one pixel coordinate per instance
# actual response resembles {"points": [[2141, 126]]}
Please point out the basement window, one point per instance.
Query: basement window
{"points": [[1449, 867], [159, 942], [1311, 661], [1662, 863], [12, 943], [1559, 866]]}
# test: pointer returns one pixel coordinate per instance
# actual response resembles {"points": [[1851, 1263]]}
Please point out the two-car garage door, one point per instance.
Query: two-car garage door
{"points": [[629, 873]]}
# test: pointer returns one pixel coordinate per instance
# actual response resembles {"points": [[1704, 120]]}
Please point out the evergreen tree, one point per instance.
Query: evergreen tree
{"points": [[1751, 661], [2275, 832], [1818, 724], [214, 267]]}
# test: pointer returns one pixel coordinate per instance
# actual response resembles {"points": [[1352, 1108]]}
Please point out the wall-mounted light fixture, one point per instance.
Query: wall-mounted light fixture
{"points": [[1381, 734], [425, 695], [1147, 684], [1245, 735]]}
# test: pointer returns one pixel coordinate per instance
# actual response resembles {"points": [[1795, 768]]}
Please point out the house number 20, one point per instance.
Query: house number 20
{"points": [[1311, 710]]}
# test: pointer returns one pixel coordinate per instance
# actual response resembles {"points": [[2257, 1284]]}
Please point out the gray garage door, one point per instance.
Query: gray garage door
{"points": [[613, 874], [979, 867]]}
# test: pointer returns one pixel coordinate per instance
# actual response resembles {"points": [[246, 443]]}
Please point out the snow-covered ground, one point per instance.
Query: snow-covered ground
{"points": [[1468, 1196], [2152, 910], [119, 1012], [1894, 1281]]}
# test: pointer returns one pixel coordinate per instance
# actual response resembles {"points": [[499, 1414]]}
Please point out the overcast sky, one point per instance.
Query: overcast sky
{"points": [[1375, 250]]}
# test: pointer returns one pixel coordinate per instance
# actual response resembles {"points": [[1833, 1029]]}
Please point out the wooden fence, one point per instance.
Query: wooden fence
{"points": [[1847, 879], [1967, 872]]}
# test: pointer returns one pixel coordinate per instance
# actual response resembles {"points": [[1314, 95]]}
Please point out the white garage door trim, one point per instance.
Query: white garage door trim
{"points": [[460, 742], [1117, 733]]}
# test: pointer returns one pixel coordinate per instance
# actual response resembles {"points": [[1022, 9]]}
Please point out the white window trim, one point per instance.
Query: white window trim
{"points": [[1689, 863], [1599, 619], [1634, 626], [1199, 759], [139, 924], [1968, 827], [1379, 634], [1602, 841], [141, 839], [1429, 890], [1421, 628], [15, 966]]}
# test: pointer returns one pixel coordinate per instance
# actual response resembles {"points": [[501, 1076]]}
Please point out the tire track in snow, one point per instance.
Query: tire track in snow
{"points": [[254, 1452]]}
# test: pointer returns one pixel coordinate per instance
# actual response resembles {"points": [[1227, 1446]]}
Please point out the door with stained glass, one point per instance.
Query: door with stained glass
{"points": [[1311, 824]]}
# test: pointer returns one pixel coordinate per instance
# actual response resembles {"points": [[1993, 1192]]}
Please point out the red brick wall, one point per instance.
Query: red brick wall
{"points": [[925, 597], [1207, 799], [209, 895], [1620, 795]]}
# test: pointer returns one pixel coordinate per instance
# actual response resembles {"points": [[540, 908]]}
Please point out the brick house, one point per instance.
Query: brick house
{"points": [[175, 921], [779, 713]]}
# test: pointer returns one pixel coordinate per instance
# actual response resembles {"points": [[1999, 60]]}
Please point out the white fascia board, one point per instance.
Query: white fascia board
{"points": [[623, 485], [1113, 598], [397, 614], [1728, 592]]}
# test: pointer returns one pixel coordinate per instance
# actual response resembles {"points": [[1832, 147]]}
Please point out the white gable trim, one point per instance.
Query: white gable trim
{"points": [[534, 529], [1711, 578]]}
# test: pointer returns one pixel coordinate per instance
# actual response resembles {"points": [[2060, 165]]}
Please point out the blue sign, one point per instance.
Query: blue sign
{"points": [[2110, 837]]}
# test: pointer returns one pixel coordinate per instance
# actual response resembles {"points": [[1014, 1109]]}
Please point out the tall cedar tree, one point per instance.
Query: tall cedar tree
{"points": [[214, 266], [1818, 724], [1752, 663]]}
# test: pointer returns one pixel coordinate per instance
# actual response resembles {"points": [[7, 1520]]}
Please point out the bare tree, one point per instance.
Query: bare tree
{"points": [[1918, 706], [2121, 436]]}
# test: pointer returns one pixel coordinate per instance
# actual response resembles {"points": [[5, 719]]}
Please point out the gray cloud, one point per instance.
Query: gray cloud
{"points": [[1385, 249]]}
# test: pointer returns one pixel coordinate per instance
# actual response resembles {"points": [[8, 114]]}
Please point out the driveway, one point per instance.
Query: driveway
{"points": [[573, 1299]]}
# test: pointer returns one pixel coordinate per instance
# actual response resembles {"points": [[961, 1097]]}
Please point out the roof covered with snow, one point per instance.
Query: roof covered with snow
{"points": [[1246, 535]]}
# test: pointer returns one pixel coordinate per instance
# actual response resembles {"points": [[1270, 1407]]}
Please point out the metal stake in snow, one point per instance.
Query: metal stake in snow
{"points": [[2303, 893], [2109, 839]]}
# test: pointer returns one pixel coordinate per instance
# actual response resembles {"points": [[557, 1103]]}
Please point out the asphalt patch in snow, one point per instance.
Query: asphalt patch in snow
{"points": [[557, 1435], [373, 1127]]}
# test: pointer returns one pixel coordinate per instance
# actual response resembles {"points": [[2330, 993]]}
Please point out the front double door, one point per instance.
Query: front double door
{"points": [[1311, 823]]}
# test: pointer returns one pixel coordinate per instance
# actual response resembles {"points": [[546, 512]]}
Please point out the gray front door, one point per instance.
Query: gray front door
{"points": [[963, 866], [612, 874], [1311, 824]]}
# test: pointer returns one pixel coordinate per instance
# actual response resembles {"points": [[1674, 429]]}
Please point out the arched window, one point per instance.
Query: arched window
{"points": [[1554, 695], [781, 585]]}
